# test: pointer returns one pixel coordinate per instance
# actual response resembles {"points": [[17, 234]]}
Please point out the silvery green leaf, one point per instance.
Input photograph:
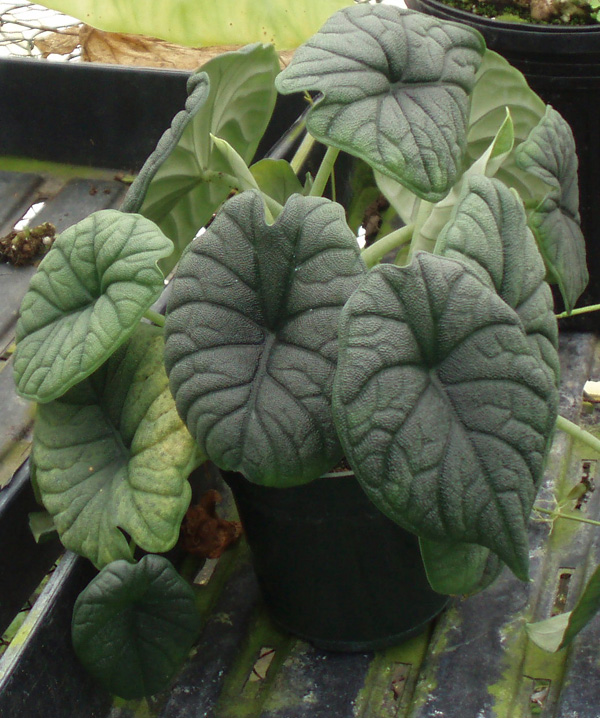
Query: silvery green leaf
{"points": [[87, 297], [549, 154], [113, 456], [441, 406], [252, 336], [395, 87], [488, 231]]}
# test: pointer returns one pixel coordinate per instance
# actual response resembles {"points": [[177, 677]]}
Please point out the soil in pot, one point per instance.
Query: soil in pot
{"points": [[332, 568]]}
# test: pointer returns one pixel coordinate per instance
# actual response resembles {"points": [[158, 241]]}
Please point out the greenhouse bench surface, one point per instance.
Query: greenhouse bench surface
{"points": [[474, 662]]}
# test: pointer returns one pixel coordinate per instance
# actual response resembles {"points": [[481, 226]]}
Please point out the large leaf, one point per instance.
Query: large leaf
{"points": [[183, 182], [444, 411], [87, 297], [395, 87], [459, 568], [205, 22], [252, 336], [133, 626], [488, 231], [112, 455], [549, 154], [555, 633]]}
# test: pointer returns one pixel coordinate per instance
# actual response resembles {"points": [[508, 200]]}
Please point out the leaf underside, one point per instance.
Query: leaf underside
{"points": [[252, 336], [87, 297], [133, 626], [443, 409], [112, 455], [395, 87]]}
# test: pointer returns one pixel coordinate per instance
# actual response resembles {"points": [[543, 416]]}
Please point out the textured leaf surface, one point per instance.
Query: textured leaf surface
{"points": [[204, 22], [112, 455], [396, 87], [252, 336], [549, 154], [458, 569], [87, 297], [444, 412], [488, 231], [184, 182], [134, 624]]}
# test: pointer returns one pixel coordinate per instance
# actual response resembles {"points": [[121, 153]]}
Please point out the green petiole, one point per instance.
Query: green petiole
{"points": [[394, 240]]}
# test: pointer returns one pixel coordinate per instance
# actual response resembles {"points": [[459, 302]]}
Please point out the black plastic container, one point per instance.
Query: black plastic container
{"points": [[562, 64], [332, 568]]}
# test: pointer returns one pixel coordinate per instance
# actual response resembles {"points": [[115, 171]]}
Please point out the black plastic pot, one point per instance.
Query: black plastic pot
{"points": [[332, 568], [562, 64]]}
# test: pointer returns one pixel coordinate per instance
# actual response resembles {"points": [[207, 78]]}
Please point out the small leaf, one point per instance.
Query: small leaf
{"points": [[180, 187], [548, 634], [113, 454], [252, 336], [459, 568], [441, 406], [396, 87], [133, 626], [549, 154], [87, 297], [41, 525]]}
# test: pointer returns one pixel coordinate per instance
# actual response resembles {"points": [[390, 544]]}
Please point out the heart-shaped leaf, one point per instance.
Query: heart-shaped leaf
{"points": [[252, 336], [87, 297], [112, 455], [459, 569], [444, 411], [182, 184], [134, 624], [549, 154], [488, 231], [396, 87]]}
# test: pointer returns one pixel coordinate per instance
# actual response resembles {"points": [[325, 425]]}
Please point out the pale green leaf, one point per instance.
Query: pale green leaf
{"points": [[441, 406], [549, 633], [112, 456], [206, 22], [276, 179], [459, 568], [87, 297], [252, 336], [395, 87]]}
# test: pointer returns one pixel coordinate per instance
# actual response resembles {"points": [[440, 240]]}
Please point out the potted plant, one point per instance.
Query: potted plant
{"points": [[561, 62], [433, 378]]}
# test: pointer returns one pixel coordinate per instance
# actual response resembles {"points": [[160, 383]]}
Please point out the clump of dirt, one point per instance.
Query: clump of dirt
{"points": [[556, 12], [205, 534], [25, 246]]}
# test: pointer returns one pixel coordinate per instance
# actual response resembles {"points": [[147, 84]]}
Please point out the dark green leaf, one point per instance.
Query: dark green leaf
{"points": [[252, 336], [395, 87], [459, 568], [488, 231], [112, 455], [181, 184], [87, 297], [585, 609], [133, 626], [444, 411], [549, 154]]}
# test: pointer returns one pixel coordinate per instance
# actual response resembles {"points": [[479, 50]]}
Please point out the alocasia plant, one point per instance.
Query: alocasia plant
{"points": [[435, 375]]}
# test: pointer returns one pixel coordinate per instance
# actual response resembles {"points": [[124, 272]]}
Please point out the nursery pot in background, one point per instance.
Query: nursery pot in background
{"points": [[332, 568], [562, 64]]}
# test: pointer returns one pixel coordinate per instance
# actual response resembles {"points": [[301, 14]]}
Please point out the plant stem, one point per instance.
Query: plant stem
{"points": [[559, 515], [155, 317], [394, 240], [324, 171], [302, 152], [578, 433], [580, 310]]}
